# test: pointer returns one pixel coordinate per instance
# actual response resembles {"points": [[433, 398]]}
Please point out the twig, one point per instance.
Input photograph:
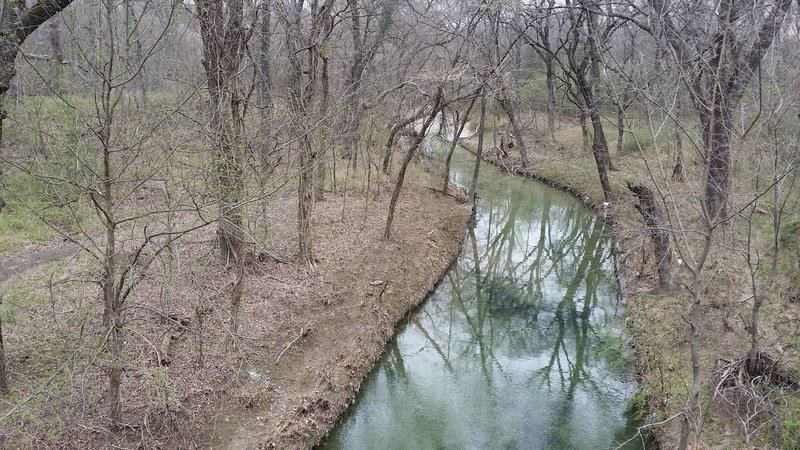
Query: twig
{"points": [[303, 332]]}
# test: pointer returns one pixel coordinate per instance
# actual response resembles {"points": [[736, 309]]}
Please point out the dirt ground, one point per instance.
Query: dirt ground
{"points": [[307, 336]]}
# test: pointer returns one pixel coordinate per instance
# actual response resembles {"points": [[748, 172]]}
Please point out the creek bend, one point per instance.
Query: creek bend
{"points": [[521, 344]]}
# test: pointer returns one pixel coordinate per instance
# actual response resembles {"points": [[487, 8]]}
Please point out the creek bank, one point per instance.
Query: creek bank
{"points": [[377, 283], [520, 347], [655, 322], [632, 282]]}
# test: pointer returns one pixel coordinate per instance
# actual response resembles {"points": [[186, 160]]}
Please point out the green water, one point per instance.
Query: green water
{"points": [[519, 347]]}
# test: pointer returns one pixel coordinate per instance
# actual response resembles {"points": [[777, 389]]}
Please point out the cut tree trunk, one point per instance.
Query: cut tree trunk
{"points": [[668, 282]]}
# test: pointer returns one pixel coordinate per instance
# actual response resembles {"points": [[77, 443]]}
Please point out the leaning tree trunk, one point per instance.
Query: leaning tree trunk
{"points": [[418, 138], [668, 282], [461, 124], [599, 143], [397, 129], [600, 153], [512, 117]]}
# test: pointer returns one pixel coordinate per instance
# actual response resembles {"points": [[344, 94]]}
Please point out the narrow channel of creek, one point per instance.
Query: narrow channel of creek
{"points": [[521, 344]]}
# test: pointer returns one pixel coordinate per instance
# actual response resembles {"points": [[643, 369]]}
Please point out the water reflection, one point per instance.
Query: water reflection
{"points": [[517, 348]]}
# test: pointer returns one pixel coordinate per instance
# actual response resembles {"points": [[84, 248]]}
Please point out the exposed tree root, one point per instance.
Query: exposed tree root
{"points": [[746, 392]]}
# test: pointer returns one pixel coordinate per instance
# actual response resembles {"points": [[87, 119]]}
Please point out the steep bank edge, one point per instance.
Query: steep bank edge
{"points": [[409, 274]]}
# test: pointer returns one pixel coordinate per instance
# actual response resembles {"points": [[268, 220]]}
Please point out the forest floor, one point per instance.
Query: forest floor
{"points": [[306, 339], [655, 323]]}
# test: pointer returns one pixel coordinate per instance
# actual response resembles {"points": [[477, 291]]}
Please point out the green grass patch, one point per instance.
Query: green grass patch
{"points": [[637, 141], [26, 199]]}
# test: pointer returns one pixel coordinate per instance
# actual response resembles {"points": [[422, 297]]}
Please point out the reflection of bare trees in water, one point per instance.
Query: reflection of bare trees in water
{"points": [[499, 286], [518, 316]]}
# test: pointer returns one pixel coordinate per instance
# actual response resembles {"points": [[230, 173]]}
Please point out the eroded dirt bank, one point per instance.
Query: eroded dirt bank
{"points": [[348, 307]]}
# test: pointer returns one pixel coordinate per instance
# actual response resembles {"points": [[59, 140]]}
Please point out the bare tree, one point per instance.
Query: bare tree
{"points": [[540, 27], [716, 68], [366, 43], [17, 22], [301, 96], [223, 33]]}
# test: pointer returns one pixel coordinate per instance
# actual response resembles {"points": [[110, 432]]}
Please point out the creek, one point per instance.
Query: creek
{"points": [[520, 346]]}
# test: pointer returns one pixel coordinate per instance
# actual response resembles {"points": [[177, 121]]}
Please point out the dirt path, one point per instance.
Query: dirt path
{"points": [[33, 257]]}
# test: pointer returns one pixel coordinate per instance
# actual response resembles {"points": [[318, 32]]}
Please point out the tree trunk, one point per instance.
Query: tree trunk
{"points": [[694, 395], [353, 85], [236, 296], [264, 76], [620, 127], [551, 96], [716, 131], [365, 44], [115, 376], [479, 153], [461, 124], [298, 96], [418, 138], [222, 56], [599, 143], [57, 62], [324, 54], [584, 123], [505, 103], [264, 63], [305, 199], [677, 171], [668, 282], [717, 89]]}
